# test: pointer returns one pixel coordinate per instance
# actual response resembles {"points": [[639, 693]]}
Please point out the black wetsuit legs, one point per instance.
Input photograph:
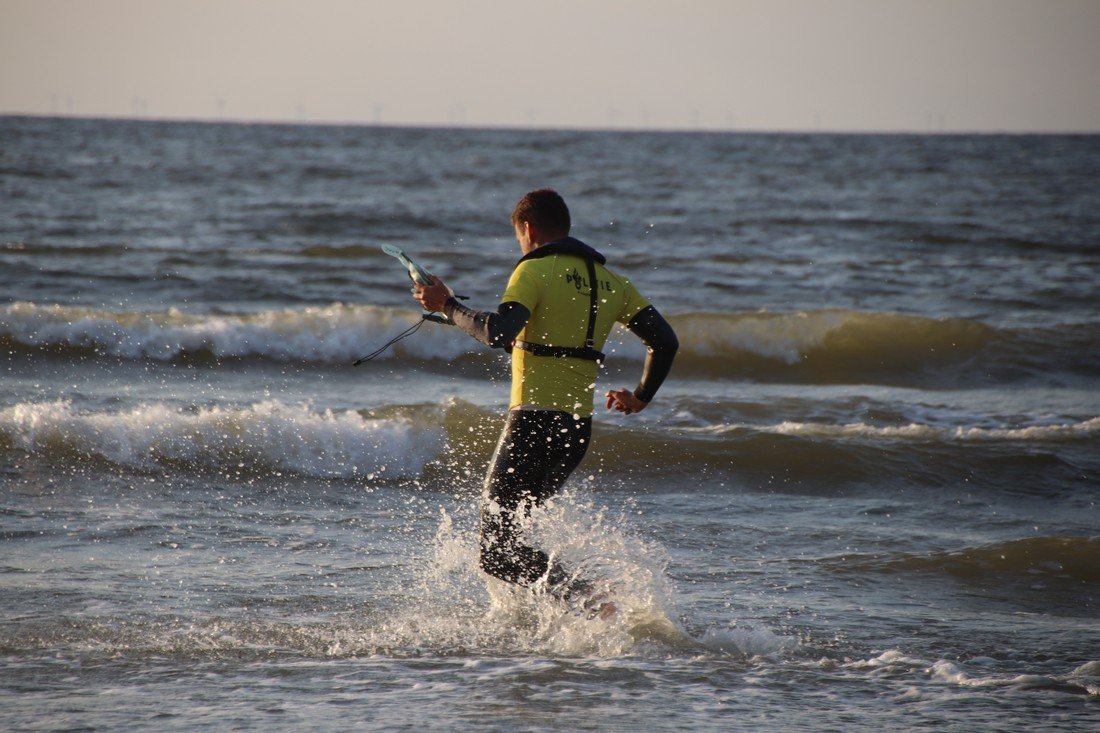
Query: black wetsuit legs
{"points": [[538, 449]]}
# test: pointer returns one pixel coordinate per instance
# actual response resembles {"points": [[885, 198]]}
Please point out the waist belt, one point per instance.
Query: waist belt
{"points": [[588, 351], [577, 352]]}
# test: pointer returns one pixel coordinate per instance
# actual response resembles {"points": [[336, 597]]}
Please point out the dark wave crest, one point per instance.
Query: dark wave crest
{"points": [[844, 347], [1074, 558]]}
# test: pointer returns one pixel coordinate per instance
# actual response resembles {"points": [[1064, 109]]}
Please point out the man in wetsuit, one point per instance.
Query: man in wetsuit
{"points": [[555, 315]]}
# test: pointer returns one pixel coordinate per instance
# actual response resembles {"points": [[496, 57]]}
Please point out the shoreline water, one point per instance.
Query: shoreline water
{"points": [[865, 499]]}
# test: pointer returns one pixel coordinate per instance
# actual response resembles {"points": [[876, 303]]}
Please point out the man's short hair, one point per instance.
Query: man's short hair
{"points": [[544, 209]]}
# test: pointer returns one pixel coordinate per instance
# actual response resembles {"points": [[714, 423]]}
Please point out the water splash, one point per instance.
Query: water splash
{"points": [[454, 605]]}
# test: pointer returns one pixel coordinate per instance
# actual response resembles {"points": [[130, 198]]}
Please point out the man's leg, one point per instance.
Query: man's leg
{"points": [[538, 449]]}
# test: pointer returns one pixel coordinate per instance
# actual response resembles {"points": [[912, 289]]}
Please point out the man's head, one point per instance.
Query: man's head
{"points": [[541, 216]]}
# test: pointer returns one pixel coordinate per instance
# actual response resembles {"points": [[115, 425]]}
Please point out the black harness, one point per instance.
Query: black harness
{"points": [[588, 351]]}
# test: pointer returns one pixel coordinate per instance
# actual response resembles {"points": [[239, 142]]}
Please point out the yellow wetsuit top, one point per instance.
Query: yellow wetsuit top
{"points": [[555, 289]]}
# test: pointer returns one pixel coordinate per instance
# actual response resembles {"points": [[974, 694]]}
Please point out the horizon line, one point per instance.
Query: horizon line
{"points": [[520, 127]]}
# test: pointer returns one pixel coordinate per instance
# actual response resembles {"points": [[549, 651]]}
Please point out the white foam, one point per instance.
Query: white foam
{"points": [[952, 673], [917, 432], [749, 641], [889, 661], [267, 435], [932, 433], [333, 333], [1088, 669]]}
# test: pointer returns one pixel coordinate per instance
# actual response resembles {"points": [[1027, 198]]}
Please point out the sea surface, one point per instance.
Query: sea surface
{"points": [[865, 500]]}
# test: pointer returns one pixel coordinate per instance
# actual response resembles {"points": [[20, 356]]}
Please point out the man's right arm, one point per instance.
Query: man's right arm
{"points": [[497, 330]]}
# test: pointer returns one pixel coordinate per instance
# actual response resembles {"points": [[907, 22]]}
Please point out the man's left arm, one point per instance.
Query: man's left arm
{"points": [[661, 346]]}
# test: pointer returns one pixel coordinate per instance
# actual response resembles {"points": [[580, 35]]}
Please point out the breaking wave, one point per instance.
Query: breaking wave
{"points": [[842, 346], [828, 346], [448, 445], [336, 333], [265, 437]]}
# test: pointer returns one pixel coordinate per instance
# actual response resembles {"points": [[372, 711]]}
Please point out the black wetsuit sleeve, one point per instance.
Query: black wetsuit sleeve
{"points": [[497, 330], [661, 341]]}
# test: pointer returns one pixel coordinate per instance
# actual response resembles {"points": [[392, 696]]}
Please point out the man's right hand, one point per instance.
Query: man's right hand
{"points": [[624, 401], [432, 297]]}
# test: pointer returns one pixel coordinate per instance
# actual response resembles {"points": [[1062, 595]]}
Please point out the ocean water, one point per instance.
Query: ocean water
{"points": [[866, 499]]}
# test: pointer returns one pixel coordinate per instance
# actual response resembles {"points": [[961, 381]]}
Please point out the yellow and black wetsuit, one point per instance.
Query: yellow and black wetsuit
{"points": [[556, 313]]}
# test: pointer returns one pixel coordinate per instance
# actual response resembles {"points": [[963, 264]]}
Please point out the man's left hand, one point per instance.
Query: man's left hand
{"points": [[432, 297]]}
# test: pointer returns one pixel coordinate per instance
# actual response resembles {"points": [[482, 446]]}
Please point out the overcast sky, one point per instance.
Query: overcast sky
{"points": [[860, 65]]}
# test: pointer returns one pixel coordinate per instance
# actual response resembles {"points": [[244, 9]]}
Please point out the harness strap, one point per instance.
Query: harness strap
{"points": [[576, 352], [588, 351], [589, 343]]}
